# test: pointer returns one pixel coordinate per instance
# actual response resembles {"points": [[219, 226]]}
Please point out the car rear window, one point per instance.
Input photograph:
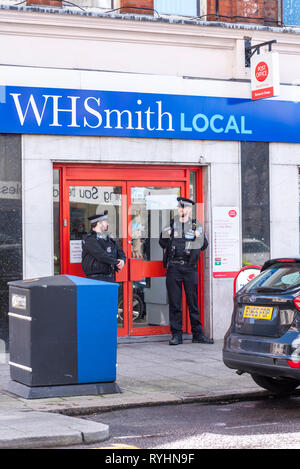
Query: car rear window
{"points": [[277, 277]]}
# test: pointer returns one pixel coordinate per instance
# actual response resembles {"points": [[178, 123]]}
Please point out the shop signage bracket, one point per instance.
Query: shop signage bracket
{"points": [[250, 50]]}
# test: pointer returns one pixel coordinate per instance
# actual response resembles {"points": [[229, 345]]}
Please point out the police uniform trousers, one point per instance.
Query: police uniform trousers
{"points": [[188, 276]]}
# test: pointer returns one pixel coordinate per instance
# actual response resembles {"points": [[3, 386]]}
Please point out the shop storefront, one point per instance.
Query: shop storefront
{"points": [[78, 160], [125, 115]]}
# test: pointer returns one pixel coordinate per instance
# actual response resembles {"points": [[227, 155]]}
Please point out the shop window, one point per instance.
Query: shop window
{"points": [[10, 220], [291, 12], [177, 7], [255, 203]]}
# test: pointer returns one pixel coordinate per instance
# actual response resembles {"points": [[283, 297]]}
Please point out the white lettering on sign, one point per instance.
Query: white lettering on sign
{"points": [[217, 123], [151, 118], [90, 194], [148, 119], [31, 102], [261, 71]]}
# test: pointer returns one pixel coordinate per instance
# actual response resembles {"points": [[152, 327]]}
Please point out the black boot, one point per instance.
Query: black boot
{"points": [[201, 339], [176, 339]]}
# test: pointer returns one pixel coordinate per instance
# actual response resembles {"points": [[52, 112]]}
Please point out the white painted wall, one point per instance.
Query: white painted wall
{"points": [[153, 47]]}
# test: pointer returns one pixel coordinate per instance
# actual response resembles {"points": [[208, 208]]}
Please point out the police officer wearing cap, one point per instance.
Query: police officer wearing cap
{"points": [[101, 256], [183, 241]]}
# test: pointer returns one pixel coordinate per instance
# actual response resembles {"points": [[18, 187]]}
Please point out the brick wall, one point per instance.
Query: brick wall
{"points": [[245, 11], [271, 12], [52, 3], [147, 4]]}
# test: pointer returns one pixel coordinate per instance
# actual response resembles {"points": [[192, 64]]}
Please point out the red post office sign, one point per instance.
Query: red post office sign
{"points": [[244, 276], [265, 75]]}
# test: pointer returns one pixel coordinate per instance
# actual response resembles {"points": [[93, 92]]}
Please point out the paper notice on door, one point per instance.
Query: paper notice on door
{"points": [[75, 251], [226, 250]]}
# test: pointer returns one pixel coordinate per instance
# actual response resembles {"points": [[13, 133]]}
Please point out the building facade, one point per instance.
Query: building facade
{"points": [[124, 109]]}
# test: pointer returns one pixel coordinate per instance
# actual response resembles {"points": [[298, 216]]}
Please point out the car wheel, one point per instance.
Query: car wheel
{"points": [[276, 385], [137, 308]]}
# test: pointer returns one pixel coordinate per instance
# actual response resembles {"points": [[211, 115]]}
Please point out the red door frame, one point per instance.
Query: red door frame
{"points": [[139, 268], [112, 174]]}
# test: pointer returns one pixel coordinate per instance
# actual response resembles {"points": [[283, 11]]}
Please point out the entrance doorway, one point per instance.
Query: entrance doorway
{"points": [[140, 201]]}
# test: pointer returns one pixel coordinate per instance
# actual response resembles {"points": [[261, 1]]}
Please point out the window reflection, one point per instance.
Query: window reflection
{"points": [[151, 209], [10, 221], [90, 200], [255, 202], [56, 220], [150, 304]]}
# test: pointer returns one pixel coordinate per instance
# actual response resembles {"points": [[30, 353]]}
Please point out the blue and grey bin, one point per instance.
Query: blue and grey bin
{"points": [[62, 337]]}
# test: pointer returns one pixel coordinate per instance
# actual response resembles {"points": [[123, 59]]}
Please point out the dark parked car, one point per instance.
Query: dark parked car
{"points": [[264, 335]]}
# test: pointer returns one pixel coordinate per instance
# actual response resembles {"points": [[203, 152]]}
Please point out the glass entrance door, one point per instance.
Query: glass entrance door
{"points": [[139, 204], [151, 207]]}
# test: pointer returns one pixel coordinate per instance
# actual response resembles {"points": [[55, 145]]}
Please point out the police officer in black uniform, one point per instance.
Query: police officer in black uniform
{"points": [[101, 256], [183, 241]]}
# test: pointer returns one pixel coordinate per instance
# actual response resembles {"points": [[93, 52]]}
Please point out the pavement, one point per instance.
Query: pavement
{"points": [[148, 373]]}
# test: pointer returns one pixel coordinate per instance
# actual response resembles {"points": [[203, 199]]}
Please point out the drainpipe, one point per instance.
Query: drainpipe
{"points": [[217, 8], [279, 12]]}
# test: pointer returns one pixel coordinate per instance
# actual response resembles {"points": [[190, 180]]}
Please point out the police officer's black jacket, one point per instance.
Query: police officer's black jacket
{"points": [[100, 254], [182, 243]]}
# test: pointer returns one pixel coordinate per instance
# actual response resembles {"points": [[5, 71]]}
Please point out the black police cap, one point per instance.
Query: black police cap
{"points": [[183, 202], [99, 217]]}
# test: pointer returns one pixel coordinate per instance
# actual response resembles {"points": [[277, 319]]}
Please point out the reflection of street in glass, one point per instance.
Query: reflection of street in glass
{"points": [[137, 234], [255, 252], [138, 304], [3, 356]]}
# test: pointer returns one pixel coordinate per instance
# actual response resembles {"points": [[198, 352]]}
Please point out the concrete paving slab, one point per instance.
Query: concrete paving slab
{"points": [[32, 429]]}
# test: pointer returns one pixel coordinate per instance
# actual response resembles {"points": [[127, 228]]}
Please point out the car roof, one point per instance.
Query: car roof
{"points": [[278, 260]]}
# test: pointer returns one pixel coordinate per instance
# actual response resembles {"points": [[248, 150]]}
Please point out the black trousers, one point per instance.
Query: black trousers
{"points": [[104, 278], [178, 275]]}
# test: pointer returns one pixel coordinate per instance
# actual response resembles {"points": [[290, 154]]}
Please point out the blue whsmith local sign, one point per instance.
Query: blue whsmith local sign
{"points": [[56, 111]]}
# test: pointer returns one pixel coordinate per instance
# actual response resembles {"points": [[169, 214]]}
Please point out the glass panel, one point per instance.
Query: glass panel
{"points": [[90, 200], [150, 304], [10, 223], [255, 202], [277, 277], [176, 7], [56, 221], [151, 209], [291, 12], [120, 306], [193, 186]]}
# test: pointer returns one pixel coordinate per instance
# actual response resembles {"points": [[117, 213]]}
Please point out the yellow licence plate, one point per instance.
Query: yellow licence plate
{"points": [[258, 312]]}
